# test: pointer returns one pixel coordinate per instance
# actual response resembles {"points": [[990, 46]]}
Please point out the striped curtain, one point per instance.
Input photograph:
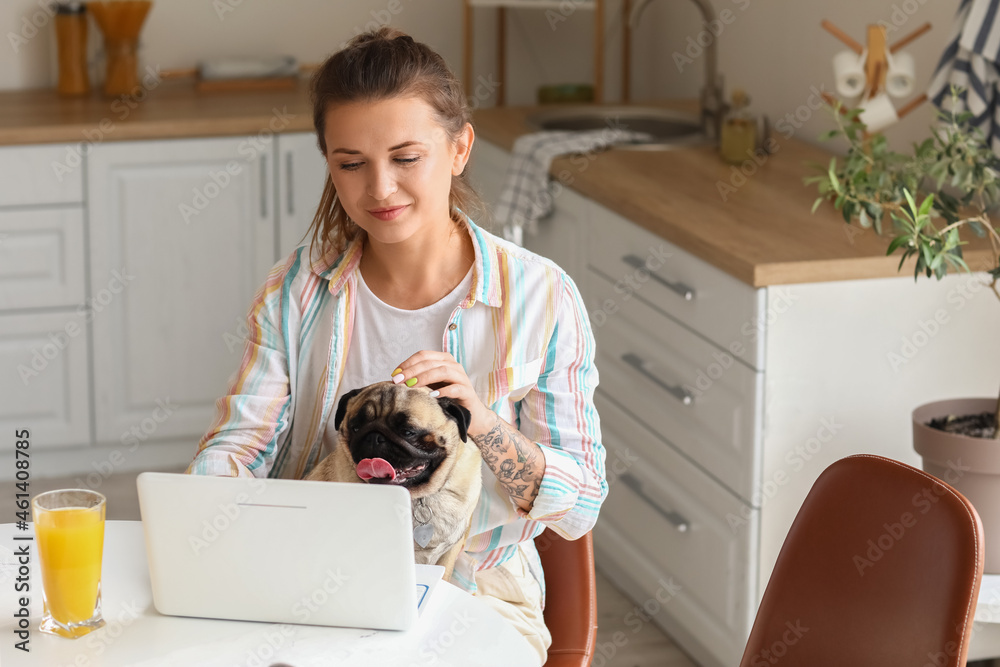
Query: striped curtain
{"points": [[972, 61]]}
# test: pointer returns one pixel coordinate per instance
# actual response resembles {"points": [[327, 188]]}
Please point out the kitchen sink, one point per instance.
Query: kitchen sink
{"points": [[669, 129]]}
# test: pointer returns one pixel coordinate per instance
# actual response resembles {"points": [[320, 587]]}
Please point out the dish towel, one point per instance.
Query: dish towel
{"points": [[972, 60], [527, 196]]}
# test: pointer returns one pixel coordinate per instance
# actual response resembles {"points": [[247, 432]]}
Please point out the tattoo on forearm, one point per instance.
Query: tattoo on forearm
{"points": [[513, 458]]}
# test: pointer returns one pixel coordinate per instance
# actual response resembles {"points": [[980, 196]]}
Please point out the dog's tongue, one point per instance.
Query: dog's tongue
{"points": [[369, 468]]}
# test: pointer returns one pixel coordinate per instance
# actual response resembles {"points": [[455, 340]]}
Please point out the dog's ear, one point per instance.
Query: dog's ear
{"points": [[342, 407], [459, 413]]}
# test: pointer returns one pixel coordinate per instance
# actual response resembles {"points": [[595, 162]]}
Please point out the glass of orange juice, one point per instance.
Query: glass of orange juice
{"points": [[69, 529]]}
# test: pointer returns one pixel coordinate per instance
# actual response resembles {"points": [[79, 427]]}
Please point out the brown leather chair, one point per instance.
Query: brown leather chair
{"points": [[881, 566], [570, 598]]}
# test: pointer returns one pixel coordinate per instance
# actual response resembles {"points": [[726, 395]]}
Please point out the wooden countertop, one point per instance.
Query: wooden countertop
{"points": [[763, 233], [171, 109]]}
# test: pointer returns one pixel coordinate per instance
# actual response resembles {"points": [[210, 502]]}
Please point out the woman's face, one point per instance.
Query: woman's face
{"points": [[393, 153]]}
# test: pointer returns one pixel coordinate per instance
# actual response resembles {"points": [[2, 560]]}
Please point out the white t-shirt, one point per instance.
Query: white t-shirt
{"points": [[385, 336]]}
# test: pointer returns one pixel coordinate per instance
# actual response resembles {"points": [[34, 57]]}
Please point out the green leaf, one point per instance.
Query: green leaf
{"points": [[902, 260], [819, 200], [958, 263], [925, 206], [832, 172], [909, 200], [863, 218], [896, 242], [926, 254]]}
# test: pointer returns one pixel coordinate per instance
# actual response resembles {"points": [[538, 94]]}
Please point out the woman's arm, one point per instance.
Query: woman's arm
{"points": [[517, 462], [559, 417], [241, 441]]}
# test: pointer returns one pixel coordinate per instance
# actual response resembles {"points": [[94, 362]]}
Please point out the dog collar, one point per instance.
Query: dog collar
{"points": [[423, 530]]}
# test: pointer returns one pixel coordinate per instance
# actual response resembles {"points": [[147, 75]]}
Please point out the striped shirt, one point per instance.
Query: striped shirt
{"points": [[523, 337]]}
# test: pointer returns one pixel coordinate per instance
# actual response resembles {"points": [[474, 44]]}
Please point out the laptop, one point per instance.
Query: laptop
{"points": [[279, 550]]}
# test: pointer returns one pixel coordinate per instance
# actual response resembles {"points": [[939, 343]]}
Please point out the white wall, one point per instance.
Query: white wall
{"points": [[775, 50]]}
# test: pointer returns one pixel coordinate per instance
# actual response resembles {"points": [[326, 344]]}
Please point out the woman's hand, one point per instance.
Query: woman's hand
{"points": [[440, 372], [516, 461]]}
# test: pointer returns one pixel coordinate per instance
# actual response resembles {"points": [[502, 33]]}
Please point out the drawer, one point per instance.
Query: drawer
{"points": [[41, 258], [665, 521], [50, 174], [712, 303], [689, 392], [44, 357]]}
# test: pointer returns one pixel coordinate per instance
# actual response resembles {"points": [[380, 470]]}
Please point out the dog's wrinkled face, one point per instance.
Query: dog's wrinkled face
{"points": [[398, 435]]}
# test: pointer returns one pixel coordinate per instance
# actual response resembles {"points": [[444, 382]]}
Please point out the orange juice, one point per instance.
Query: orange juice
{"points": [[70, 545]]}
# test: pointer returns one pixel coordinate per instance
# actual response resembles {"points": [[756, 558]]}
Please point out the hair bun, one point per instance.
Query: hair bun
{"points": [[384, 34]]}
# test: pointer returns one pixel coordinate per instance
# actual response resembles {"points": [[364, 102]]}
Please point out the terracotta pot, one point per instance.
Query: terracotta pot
{"points": [[971, 465]]}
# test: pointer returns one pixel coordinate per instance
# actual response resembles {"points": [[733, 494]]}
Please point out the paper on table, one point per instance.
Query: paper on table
{"points": [[428, 577]]}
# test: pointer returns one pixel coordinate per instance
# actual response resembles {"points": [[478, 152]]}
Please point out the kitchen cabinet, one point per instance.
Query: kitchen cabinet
{"points": [[43, 338], [182, 234], [721, 404], [695, 442], [301, 177], [46, 385], [123, 302]]}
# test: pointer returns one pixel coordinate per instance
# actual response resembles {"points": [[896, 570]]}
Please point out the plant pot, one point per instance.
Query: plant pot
{"points": [[970, 465]]}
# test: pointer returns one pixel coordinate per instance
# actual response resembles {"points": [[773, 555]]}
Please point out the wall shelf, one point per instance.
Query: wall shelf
{"points": [[597, 6]]}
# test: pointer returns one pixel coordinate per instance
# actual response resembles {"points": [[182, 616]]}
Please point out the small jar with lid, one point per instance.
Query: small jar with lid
{"points": [[71, 43], [738, 135]]}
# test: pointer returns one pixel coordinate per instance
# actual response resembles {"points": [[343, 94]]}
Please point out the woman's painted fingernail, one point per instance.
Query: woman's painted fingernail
{"points": [[396, 379], [435, 393], [411, 382], [396, 372]]}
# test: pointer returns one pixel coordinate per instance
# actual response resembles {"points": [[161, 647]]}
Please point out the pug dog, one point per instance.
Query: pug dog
{"points": [[393, 434]]}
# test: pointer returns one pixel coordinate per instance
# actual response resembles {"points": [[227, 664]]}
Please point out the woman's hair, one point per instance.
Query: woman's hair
{"points": [[380, 65]]}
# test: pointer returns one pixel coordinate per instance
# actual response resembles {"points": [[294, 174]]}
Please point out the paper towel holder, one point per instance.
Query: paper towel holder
{"points": [[876, 62]]}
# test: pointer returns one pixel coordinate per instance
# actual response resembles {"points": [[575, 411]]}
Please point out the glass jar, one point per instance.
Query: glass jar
{"points": [[738, 135], [71, 42]]}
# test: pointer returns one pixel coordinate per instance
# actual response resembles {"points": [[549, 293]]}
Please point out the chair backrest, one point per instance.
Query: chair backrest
{"points": [[881, 566], [570, 598]]}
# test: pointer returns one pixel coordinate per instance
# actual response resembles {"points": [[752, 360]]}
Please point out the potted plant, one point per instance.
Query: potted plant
{"points": [[951, 181]]}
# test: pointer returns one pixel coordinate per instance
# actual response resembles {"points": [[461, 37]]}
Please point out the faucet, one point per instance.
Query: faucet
{"points": [[713, 107]]}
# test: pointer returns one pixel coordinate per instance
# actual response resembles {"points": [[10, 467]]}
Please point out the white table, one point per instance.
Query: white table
{"points": [[985, 642], [454, 629]]}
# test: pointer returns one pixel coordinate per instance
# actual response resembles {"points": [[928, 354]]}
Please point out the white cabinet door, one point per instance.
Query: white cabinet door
{"points": [[301, 177], [182, 234], [45, 387], [41, 257], [41, 175]]}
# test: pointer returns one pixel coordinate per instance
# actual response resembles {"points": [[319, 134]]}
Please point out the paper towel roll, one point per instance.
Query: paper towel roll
{"points": [[878, 112], [849, 73], [900, 74]]}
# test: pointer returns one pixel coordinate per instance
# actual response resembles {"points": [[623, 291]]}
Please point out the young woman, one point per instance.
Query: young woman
{"points": [[400, 283]]}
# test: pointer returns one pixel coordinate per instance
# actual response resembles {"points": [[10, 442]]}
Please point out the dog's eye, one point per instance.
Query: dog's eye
{"points": [[407, 433]]}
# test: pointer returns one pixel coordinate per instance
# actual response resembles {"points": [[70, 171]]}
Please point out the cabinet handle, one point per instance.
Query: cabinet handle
{"points": [[263, 186], [679, 523], [643, 366], [290, 182], [680, 288]]}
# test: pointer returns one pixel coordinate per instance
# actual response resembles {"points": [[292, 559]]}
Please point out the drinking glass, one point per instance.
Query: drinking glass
{"points": [[69, 530]]}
